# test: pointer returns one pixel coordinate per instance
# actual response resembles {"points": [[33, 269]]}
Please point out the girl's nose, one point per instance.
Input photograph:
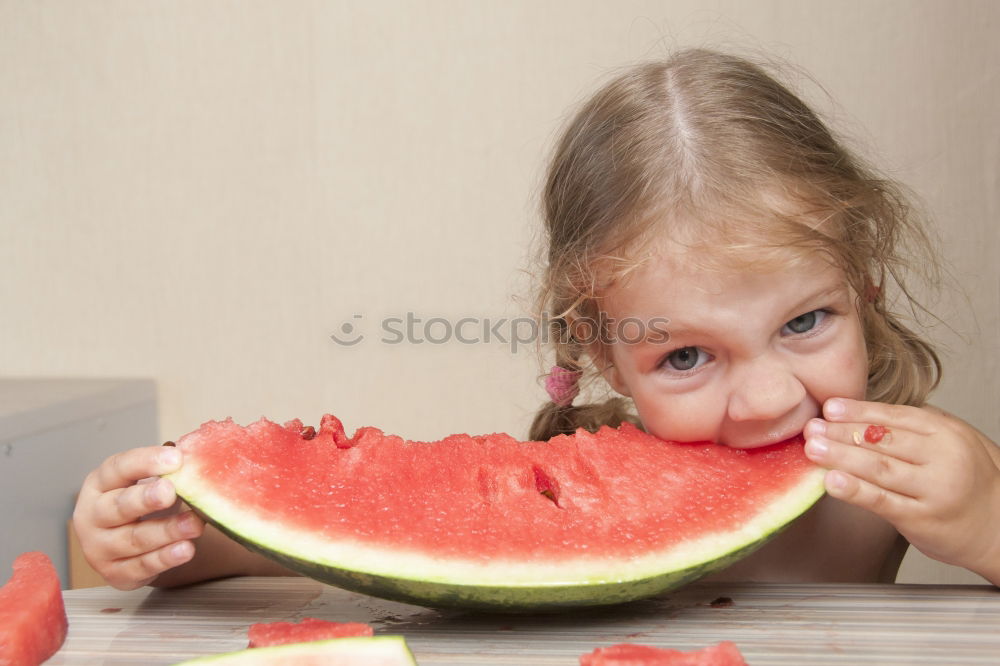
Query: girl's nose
{"points": [[764, 389]]}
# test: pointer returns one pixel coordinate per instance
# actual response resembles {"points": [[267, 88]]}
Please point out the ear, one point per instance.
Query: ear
{"points": [[609, 370]]}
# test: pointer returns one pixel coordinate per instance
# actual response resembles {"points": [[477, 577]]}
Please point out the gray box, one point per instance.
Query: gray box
{"points": [[53, 432]]}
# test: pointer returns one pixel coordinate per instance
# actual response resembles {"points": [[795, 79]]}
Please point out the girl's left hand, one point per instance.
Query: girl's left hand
{"points": [[932, 475]]}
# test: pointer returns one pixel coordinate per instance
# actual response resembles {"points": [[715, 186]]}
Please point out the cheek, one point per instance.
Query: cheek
{"points": [[845, 372], [858, 372], [857, 364], [691, 417], [667, 415]]}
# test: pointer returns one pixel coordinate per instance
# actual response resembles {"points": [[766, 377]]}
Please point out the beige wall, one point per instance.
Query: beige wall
{"points": [[203, 192]]}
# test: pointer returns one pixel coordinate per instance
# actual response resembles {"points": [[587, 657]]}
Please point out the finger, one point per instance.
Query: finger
{"points": [[134, 572], [125, 468], [897, 417], [890, 505], [895, 442], [150, 535], [126, 505], [874, 467]]}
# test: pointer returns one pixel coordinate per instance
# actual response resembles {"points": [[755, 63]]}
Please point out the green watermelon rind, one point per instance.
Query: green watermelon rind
{"points": [[358, 647], [500, 585]]}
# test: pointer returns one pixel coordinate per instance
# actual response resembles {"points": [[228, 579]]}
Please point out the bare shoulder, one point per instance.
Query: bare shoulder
{"points": [[832, 542]]}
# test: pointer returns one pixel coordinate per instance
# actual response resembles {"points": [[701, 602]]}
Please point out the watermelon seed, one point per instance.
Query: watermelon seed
{"points": [[308, 432]]}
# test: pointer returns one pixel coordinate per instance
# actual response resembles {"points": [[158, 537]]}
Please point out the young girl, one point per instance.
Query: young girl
{"points": [[701, 193]]}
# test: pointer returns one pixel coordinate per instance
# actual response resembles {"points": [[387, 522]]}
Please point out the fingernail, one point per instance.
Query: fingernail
{"points": [[815, 427], [170, 458], [156, 493], [181, 551], [188, 524], [834, 408], [816, 447], [837, 480]]}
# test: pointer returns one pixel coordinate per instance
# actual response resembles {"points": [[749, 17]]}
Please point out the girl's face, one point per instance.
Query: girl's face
{"points": [[751, 356]]}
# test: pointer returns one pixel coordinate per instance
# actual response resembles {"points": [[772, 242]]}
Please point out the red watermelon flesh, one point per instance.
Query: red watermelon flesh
{"points": [[309, 629], [487, 520], [627, 654], [375, 489], [33, 620]]}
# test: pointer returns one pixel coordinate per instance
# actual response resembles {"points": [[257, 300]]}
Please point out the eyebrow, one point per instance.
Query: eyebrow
{"points": [[822, 295]]}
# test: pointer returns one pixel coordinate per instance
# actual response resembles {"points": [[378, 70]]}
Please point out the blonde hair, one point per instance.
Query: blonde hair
{"points": [[712, 149]]}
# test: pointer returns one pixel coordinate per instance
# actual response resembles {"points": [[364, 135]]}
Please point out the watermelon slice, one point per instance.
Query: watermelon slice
{"points": [[627, 654], [488, 521], [356, 651], [33, 620], [309, 629]]}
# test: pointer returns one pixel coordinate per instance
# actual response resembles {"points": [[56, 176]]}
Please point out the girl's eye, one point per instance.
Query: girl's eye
{"points": [[685, 358], [805, 322]]}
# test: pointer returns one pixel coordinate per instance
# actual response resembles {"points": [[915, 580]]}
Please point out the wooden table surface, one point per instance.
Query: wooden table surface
{"points": [[770, 623]]}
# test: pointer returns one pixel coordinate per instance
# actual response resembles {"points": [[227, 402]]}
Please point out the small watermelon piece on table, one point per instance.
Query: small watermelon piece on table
{"points": [[628, 654], [354, 651], [488, 521], [33, 621], [266, 634]]}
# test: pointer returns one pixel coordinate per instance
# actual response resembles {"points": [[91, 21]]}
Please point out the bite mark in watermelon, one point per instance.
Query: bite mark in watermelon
{"points": [[309, 629], [627, 654], [33, 621], [488, 521], [355, 651]]}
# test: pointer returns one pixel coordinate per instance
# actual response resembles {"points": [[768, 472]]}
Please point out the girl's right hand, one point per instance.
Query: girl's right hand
{"points": [[127, 551]]}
